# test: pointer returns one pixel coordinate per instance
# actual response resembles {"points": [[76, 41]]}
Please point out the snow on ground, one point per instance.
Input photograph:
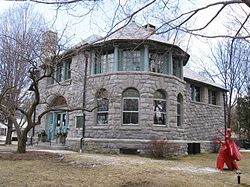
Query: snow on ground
{"points": [[192, 169]]}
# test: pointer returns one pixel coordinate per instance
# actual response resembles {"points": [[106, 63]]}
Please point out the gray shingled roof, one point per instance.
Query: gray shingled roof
{"points": [[134, 31], [192, 75]]}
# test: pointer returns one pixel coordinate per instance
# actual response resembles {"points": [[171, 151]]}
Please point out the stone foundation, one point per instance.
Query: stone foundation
{"points": [[114, 146]]}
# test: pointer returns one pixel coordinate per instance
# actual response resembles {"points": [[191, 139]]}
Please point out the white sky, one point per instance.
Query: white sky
{"points": [[80, 28]]}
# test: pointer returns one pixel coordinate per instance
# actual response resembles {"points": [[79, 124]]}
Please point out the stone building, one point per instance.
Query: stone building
{"points": [[136, 89]]}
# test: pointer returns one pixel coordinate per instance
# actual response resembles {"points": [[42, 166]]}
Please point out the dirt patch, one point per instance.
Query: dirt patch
{"points": [[138, 184], [29, 155]]}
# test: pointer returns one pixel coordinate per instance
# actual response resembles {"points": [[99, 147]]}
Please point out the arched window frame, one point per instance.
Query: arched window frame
{"points": [[179, 110], [130, 113], [102, 104], [160, 108]]}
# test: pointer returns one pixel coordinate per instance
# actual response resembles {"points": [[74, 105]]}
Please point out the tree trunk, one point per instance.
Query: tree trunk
{"points": [[229, 118], [9, 133], [21, 146]]}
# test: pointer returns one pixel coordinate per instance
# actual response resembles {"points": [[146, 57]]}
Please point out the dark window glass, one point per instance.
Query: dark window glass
{"points": [[79, 121], [130, 106], [195, 93], [160, 108], [102, 107], [179, 109]]}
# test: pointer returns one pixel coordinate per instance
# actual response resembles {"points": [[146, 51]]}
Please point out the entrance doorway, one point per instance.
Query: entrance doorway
{"points": [[57, 121], [57, 124]]}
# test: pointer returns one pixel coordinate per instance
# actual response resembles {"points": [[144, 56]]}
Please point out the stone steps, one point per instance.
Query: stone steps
{"points": [[53, 145]]}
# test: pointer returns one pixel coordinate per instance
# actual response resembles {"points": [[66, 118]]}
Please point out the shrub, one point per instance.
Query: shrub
{"points": [[162, 148]]}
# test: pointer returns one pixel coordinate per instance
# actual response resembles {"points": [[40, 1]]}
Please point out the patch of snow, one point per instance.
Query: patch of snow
{"points": [[192, 169]]}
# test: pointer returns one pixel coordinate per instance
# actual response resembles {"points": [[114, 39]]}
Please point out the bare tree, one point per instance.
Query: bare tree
{"points": [[20, 39], [231, 63], [19, 43], [170, 15], [27, 60]]}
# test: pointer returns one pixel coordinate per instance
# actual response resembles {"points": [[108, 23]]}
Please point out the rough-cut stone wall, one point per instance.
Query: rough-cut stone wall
{"points": [[203, 119], [71, 90], [200, 119], [146, 84]]}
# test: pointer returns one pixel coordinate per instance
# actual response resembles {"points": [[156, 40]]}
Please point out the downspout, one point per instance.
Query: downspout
{"points": [[225, 112], [83, 101]]}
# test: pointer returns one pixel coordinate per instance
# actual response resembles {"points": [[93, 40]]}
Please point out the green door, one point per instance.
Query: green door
{"points": [[61, 123], [51, 126], [57, 124]]}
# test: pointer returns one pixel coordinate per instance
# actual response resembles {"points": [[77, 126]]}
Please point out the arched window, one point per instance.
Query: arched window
{"points": [[160, 108], [179, 110], [130, 107], [102, 107]]}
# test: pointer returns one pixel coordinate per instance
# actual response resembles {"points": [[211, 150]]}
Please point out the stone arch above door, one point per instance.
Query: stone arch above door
{"points": [[58, 118], [58, 101]]}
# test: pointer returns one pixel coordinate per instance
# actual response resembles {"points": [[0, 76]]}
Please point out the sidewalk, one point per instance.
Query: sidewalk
{"points": [[13, 147]]}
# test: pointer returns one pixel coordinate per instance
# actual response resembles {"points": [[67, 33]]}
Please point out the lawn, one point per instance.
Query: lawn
{"points": [[75, 169]]}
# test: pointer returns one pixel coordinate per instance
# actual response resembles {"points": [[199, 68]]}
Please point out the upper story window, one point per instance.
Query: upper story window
{"points": [[102, 107], [156, 62], [160, 108], [177, 67], [104, 62], [130, 98], [195, 93], [62, 72], [212, 97], [67, 69], [131, 60]]}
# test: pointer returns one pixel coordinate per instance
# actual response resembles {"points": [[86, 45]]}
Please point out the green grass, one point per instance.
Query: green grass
{"points": [[116, 171]]}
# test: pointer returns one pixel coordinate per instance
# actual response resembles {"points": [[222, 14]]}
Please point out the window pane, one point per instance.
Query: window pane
{"points": [[159, 95], [2, 132], [67, 69], [130, 117], [213, 97], [178, 108], [160, 105], [130, 104], [102, 118], [179, 98], [159, 118], [110, 62], [179, 111], [126, 117], [58, 124], [59, 72], [131, 93], [176, 67], [197, 94], [79, 121], [156, 62], [134, 118], [178, 121], [64, 120], [131, 60], [102, 105]]}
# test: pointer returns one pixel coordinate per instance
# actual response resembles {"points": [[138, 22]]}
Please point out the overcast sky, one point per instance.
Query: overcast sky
{"points": [[96, 23]]}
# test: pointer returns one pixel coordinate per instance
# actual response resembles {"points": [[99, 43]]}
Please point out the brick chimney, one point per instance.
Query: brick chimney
{"points": [[150, 27], [49, 45]]}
